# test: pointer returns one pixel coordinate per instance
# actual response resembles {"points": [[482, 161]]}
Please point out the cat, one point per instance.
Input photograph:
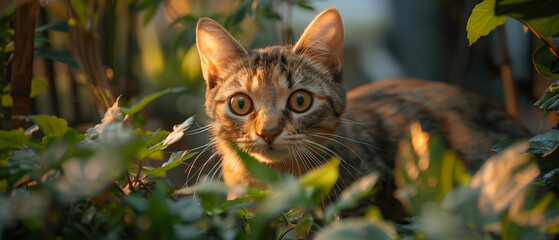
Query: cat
{"points": [[287, 107]]}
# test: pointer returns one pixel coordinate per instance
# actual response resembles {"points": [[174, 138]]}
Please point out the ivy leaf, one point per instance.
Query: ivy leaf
{"points": [[483, 20], [546, 63], [145, 100]]}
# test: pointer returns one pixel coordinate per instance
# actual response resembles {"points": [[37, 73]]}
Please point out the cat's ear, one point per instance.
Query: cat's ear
{"points": [[323, 39], [217, 49]]}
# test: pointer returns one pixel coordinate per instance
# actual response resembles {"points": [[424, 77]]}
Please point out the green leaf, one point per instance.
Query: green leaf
{"points": [[60, 26], [175, 160], [548, 26], [354, 229], [546, 63], [527, 9], [56, 55], [322, 178], [37, 86], [551, 179], [51, 126], [150, 142], [13, 138], [350, 196], [145, 100], [542, 15], [503, 144], [425, 170], [544, 144], [303, 226], [549, 98], [483, 20], [261, 172]]}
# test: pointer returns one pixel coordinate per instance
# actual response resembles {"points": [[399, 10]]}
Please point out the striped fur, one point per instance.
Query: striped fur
{"points": [[364, 136]]}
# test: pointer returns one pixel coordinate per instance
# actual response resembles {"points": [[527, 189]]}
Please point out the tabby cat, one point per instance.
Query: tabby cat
{"points": [[287, 107]]}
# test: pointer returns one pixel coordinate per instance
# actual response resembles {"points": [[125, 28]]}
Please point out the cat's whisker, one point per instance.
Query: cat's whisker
{"points": [[332, 153], [349, 121], [313, 154], [214, 169], [318, 163], [344, 145], [198, 130], [306, 166], [211, 144], [348, 139]]}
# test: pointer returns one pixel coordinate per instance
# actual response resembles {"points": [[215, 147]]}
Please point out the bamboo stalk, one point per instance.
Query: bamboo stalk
{"points": [[22, 68]]}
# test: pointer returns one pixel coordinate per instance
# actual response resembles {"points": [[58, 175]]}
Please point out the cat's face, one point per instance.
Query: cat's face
{"points": [[271, 101]]}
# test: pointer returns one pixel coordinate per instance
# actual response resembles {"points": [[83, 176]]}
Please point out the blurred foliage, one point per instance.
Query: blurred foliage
{"points": [[63, 184]]}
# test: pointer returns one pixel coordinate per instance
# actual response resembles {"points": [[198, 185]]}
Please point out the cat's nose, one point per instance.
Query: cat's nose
{"points": [[268, 135]]}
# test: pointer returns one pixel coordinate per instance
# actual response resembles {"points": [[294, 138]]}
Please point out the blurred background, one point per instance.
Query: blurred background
{"points": [[89, 52]]}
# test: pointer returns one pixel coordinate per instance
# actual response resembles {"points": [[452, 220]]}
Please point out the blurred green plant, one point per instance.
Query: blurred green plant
{"points": [[542, 19], [63, 184]]}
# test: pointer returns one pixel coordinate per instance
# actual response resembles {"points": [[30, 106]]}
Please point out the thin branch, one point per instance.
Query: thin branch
{"points": [[546, 41]]}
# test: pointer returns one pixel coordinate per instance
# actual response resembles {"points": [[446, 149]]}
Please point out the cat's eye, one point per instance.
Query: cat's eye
{"points": [[240, 104], [300, 101]]}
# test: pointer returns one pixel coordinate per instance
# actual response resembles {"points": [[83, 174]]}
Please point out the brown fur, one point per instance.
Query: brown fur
{"points": [[365, 135]]}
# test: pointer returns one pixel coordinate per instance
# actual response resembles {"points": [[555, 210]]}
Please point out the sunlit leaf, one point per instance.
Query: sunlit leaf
{"points": [[503, 177], [13, 138], [483, 20], [37, 86], [322, 178], [51, 126], [425, 170], [140, 104]]}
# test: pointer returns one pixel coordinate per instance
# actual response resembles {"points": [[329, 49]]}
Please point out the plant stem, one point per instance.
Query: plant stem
{"points": [[506, 75], [546, 41]]}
